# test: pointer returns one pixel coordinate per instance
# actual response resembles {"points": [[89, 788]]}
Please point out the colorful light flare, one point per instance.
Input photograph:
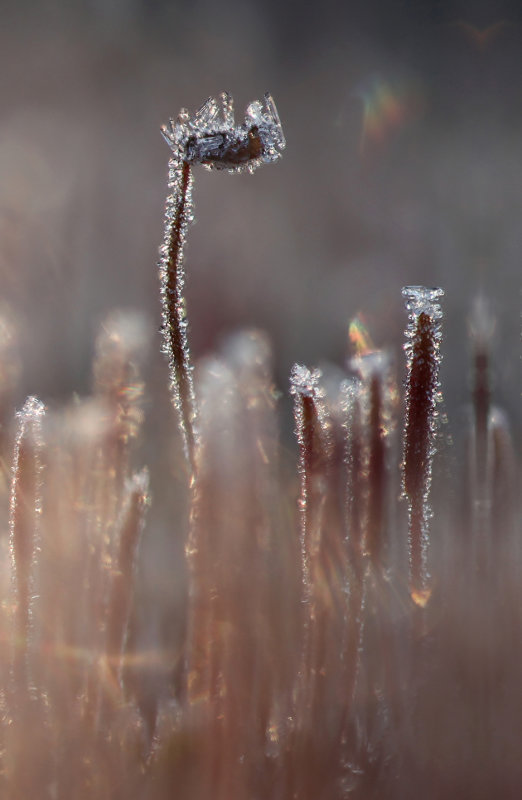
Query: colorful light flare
{"points": [[387, 108], [360, 339]]}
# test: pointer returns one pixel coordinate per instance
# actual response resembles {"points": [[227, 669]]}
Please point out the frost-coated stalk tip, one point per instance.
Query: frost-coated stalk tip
{"points": [[216, 142], [423, 337]]}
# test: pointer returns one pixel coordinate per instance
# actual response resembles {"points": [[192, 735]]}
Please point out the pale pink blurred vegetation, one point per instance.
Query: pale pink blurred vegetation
{"points": [[296, 251]]}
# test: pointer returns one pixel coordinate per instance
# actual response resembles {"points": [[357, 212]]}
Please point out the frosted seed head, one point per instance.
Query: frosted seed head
{"points": [[420, 299], [30, 416], [220, 143], [423, 309], [304, 381]]}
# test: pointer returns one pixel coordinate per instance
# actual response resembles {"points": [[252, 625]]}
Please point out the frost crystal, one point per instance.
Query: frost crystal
{"points": [[220, 143], [304, 381], [420, 299]]}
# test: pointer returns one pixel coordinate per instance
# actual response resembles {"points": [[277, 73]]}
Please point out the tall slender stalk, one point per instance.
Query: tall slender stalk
{"points": [[179, 214], [216, 144]]}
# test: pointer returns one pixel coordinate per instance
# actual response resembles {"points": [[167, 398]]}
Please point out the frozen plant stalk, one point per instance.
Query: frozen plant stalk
{"points": [[217, 143], [376, 393], [315, 446], [310, 428], [423, 336]]}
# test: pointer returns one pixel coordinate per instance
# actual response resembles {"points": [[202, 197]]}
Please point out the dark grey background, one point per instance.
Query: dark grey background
{"points": [[299, 247]]}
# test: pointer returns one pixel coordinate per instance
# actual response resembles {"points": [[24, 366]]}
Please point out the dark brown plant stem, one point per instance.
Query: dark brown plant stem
{"points": [[309, 417], [504, 479], [356, 483], [179, 214], [376, 473], [217, 144], [319, 604], [417, 444], [422, 388], [480, 490], [481, 405]]}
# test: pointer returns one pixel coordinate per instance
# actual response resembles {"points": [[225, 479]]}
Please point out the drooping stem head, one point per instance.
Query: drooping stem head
{"points": [[216, 143]]}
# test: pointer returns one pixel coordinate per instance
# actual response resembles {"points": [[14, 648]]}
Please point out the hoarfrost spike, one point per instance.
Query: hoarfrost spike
{"points": [[423, 337]]}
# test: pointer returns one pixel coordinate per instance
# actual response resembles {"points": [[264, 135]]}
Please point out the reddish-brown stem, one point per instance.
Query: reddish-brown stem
{"points": [[376, 473], [356, 480], [179, 215], [481, 406], [422, 386]]}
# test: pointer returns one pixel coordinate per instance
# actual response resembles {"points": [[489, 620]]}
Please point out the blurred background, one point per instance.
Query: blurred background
{"points": [[403, 166]]}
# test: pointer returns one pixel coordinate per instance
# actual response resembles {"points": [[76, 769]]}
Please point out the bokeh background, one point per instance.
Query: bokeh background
{"points": [[403, 165]]}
